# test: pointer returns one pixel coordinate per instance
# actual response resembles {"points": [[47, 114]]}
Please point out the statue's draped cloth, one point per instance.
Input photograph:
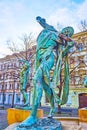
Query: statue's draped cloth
{"points": [[45, 60]]}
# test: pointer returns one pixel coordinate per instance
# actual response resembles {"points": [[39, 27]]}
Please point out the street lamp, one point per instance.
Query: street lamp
{"points": [[13, 94], [3, 90], [15, 77]]}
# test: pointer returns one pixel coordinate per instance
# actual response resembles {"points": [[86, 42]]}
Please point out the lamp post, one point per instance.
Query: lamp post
{"points": [[3, 90], [15, 77], [13, 94]]}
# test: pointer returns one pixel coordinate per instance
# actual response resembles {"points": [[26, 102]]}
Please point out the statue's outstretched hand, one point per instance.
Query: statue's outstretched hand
{"points": [[68, 39]]}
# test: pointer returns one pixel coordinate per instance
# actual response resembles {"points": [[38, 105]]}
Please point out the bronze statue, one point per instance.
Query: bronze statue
{"points": [[24, 77], [52, 47]]}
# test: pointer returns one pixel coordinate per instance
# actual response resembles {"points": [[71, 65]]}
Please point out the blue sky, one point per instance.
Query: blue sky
{"points": [[17, 17]]}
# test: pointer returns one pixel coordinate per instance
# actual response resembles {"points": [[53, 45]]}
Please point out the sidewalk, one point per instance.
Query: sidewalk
{"points": [[64, 111], [3, 119]]}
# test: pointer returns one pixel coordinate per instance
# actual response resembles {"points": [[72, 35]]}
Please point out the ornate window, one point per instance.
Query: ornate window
{"points": [[80, 47]]}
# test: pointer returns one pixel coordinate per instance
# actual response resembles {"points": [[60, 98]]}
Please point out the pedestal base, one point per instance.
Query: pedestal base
{"points": [[65, 126], [43, 124], [18, 115]]}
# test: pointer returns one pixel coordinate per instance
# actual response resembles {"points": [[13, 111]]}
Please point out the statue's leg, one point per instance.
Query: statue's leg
{"points": [[36, 101], [23, 90], [49, 94], [25, 97], [48, 91], [38, 89]]}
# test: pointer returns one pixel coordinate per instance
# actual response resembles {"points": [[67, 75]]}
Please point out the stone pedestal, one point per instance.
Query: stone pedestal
{"points": [[64, 127], [18, 115], [82, 114], [83, 118]]}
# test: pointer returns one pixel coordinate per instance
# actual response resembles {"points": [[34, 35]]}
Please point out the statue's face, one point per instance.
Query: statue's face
{"points": [[68, 31]]}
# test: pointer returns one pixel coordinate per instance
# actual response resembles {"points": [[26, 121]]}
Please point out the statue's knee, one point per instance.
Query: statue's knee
{"points": [[37, 80], [34, 80], [22, 90]]}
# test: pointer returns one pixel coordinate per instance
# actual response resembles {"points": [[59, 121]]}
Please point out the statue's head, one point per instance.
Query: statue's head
{"points": [[68, 31]]}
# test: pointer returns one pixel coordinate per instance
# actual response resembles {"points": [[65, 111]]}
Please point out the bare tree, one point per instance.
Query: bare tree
{"points": [[83, 25], [59, 26], [20, 50]]}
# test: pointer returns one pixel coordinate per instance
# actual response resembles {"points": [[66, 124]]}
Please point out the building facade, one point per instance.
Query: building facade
{"points": [[9, 81], [78, 70]]}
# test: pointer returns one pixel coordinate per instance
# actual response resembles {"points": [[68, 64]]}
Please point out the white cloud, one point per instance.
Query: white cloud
{"points": [[82, 11], [4, 51], [69, 16]]}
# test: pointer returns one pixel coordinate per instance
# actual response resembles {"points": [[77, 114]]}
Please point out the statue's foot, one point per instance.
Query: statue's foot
{"points": [[30, 108], [26, 104], [27, 107], [52, 111], [28, 122]]}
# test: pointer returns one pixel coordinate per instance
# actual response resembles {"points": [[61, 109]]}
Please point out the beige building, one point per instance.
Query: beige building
{"points": [[78, 70]]}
